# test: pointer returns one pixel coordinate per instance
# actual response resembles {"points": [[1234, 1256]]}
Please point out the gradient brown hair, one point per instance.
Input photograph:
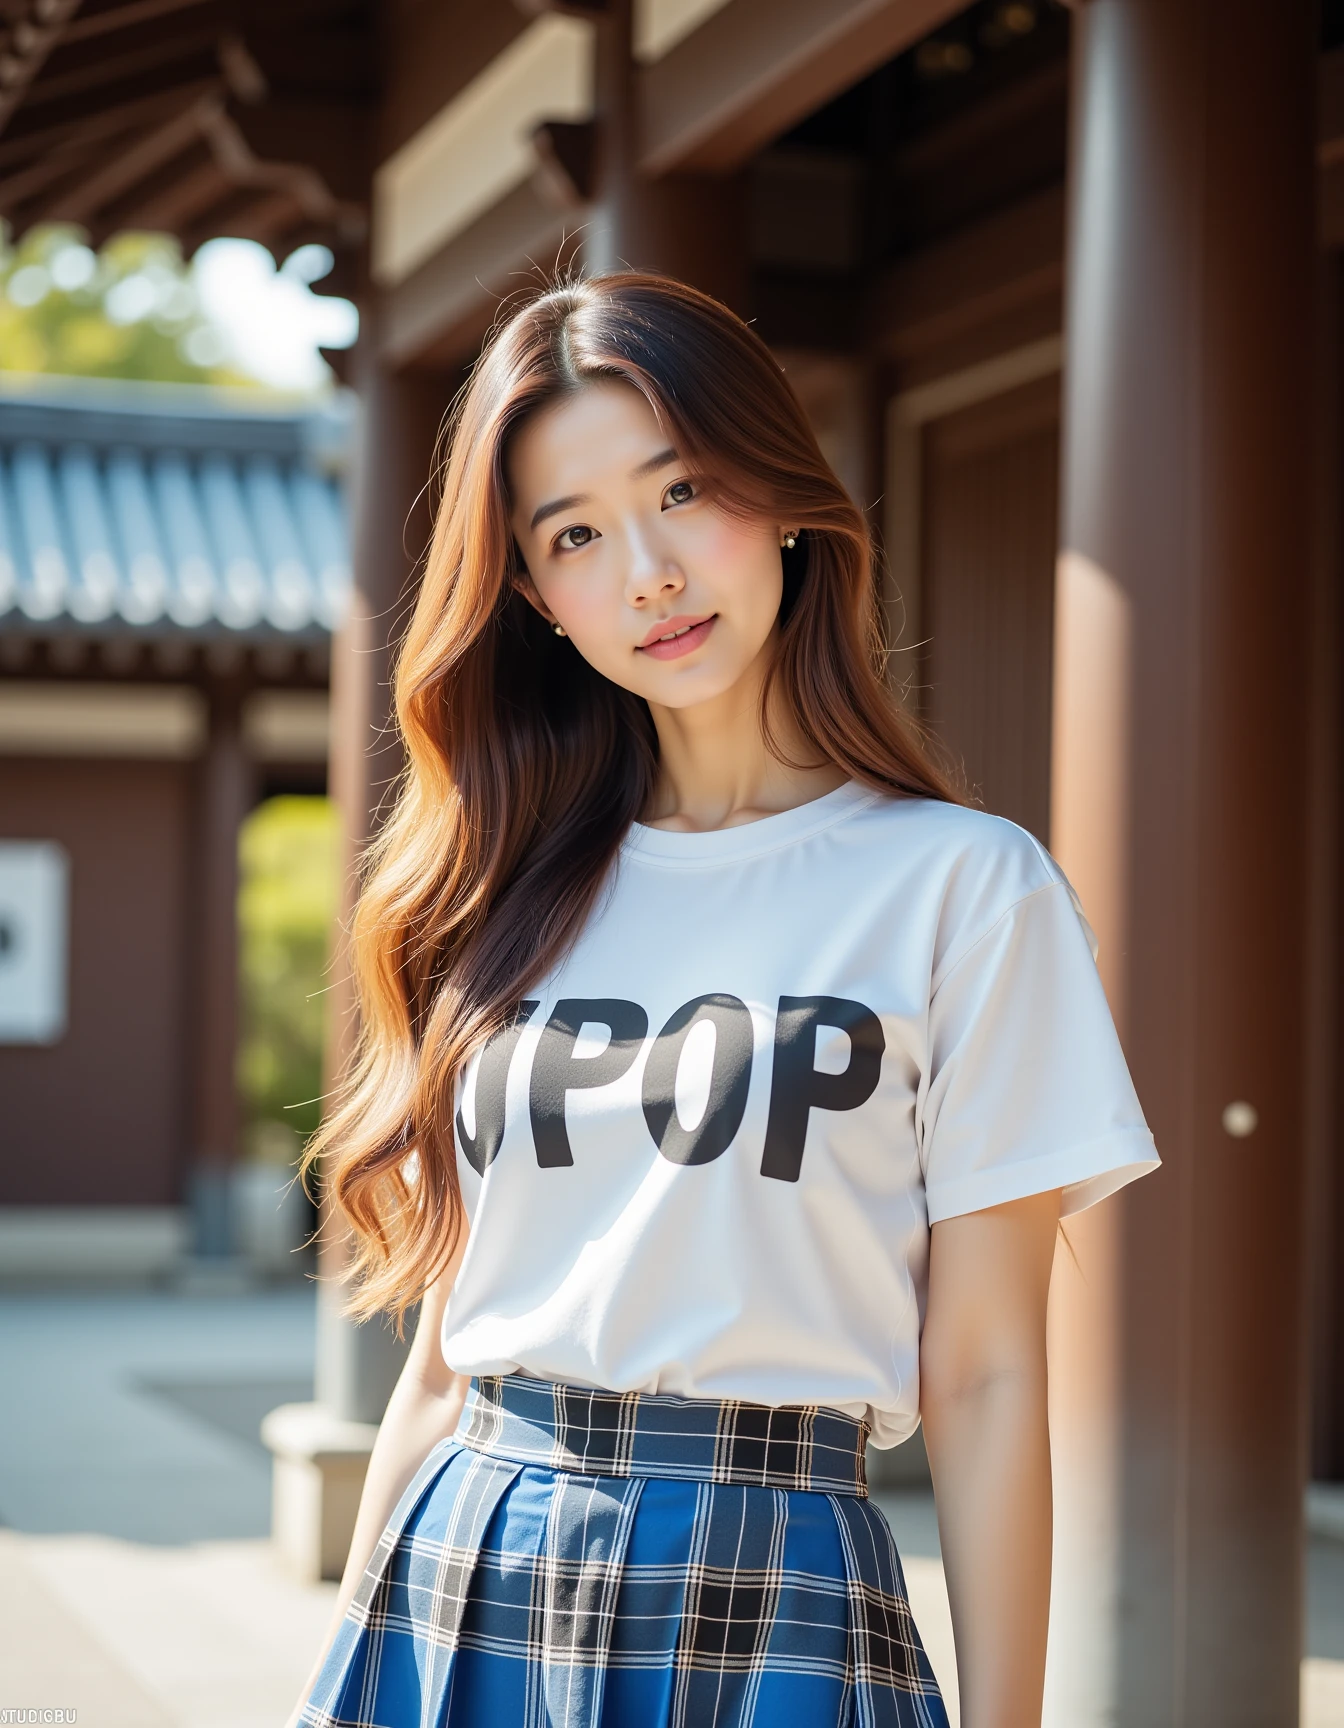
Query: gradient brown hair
{"points": [[526, 767]]}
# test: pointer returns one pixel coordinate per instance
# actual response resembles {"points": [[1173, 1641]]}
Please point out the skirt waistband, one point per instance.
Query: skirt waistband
{"points": [[593, 1433]]}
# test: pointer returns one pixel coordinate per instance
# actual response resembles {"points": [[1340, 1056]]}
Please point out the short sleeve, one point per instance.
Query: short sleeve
{"points": [[1026, 1087]]}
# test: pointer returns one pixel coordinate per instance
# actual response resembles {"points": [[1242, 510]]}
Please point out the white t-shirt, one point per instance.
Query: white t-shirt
{"points": [[706, 1157]]}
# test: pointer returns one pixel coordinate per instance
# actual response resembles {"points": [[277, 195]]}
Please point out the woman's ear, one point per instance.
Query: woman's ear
{"points": [[524, 585]]}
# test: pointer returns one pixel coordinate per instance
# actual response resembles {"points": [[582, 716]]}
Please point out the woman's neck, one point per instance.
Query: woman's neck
{"points": [[716, 771]]}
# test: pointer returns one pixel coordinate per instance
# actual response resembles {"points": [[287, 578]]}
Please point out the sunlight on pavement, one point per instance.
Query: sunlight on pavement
{"points": [[208, 1636]]}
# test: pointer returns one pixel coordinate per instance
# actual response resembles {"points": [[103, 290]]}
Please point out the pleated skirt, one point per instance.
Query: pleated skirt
{"points": [[581, 1559]]}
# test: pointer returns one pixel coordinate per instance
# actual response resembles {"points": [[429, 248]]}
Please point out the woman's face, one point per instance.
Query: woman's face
{"points": [[658, 589]]}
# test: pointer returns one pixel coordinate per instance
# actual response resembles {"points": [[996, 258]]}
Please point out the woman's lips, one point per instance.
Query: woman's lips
{"points": [[678, 637]]}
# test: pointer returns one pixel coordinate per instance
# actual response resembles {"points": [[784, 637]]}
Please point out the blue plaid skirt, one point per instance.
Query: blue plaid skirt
{"points": [[581, 1559]]}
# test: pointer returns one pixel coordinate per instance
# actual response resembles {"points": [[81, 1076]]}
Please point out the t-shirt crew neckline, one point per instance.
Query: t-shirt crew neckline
{"points": [[748, 839]]}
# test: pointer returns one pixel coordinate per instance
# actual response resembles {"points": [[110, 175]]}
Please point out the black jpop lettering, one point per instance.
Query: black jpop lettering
{"points": [[730, 1079], [796, 1086], [556, 1070], [492, 1075]]}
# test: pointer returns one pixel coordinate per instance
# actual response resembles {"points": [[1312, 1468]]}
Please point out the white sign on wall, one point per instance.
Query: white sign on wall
{"points": [[34, 916]]}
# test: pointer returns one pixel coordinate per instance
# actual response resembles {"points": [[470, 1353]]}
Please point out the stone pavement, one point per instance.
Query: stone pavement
{"points": [[138, 1635], [136, 1579], [136, 1582]]}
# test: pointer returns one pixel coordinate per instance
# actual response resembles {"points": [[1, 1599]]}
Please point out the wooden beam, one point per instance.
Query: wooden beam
{"points": [[120, 17], [244, 214], [996, 116], [150, 150], [331, 137], [140, 68], [34, 30], [431, 53], [438, 314], [171, 202], [301, 184], [49, 169], [268, 218], [1007, 265], [312, 57], [757, 66], [32, 190], [70, 108], [303, 14], [281, 194], [330, 60], [478, 147], [592, 10], [566, 156], [22, 142]]}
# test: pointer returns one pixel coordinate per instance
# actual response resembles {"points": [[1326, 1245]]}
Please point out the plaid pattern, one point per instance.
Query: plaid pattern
{"points": [[679, 1585], [574, 1428]]}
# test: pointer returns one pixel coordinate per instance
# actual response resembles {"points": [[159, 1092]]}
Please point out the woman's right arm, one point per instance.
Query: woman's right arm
{"points": [[424, 1407]]}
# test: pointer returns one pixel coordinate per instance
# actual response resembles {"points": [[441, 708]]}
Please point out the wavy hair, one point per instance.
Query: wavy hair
{"points": [[525, 767]]}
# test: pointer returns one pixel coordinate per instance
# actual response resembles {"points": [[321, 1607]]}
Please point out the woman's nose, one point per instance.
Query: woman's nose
{"points": [[651, 574]]}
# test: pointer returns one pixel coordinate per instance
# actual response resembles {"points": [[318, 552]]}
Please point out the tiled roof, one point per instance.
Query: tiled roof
{"points": [[171, 509]]}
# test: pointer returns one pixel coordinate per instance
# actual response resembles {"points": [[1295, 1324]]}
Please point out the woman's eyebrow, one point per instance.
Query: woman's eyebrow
{"points": [[654, 463], [556, 505]]}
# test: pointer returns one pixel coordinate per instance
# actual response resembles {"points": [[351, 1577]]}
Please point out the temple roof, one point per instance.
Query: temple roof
{"points": [[170, 508]]}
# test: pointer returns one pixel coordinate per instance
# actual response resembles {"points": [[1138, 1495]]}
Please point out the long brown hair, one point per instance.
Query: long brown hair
{"points": [[526, 767]]}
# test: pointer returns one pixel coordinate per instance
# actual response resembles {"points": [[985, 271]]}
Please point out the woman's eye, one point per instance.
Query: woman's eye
{"points": [[573, 538], [680, 492]]}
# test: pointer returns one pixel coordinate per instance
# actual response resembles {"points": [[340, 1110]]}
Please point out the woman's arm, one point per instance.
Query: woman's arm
{"points": [[424, 1407], [983, 1405]]}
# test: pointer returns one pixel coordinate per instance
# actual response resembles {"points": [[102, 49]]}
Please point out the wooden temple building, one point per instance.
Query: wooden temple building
{"points": [[1061, 287], [173, 561]]}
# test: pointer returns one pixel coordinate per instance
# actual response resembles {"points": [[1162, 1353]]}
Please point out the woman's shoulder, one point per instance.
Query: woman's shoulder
{"points": [[973, 866], [972, 845]]}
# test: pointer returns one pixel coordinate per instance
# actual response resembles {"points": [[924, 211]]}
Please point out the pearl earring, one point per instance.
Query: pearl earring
{"points": [[790, 540], [559, 629]]}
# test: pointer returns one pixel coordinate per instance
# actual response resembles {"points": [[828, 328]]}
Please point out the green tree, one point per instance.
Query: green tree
{"points": [[286, 908], [127, 311]]}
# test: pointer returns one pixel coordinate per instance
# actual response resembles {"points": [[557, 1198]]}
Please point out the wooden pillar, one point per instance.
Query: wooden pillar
{"points": [[224, 794], [1325, 997], [400, 416], [321, 1450], [692, 226], [1178, 798]]}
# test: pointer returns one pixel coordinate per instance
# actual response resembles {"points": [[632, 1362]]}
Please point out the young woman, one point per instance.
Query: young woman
{"points": [[723, 1079]]}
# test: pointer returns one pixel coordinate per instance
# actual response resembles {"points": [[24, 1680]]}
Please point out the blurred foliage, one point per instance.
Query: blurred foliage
{"points": [[286, 907], [127, 311]]}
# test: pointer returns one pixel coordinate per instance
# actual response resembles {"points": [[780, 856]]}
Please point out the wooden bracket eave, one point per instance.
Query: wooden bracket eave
{"points": [[755, 67], [33, 31], [593, 10], [438, 314], [566, 161]]}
